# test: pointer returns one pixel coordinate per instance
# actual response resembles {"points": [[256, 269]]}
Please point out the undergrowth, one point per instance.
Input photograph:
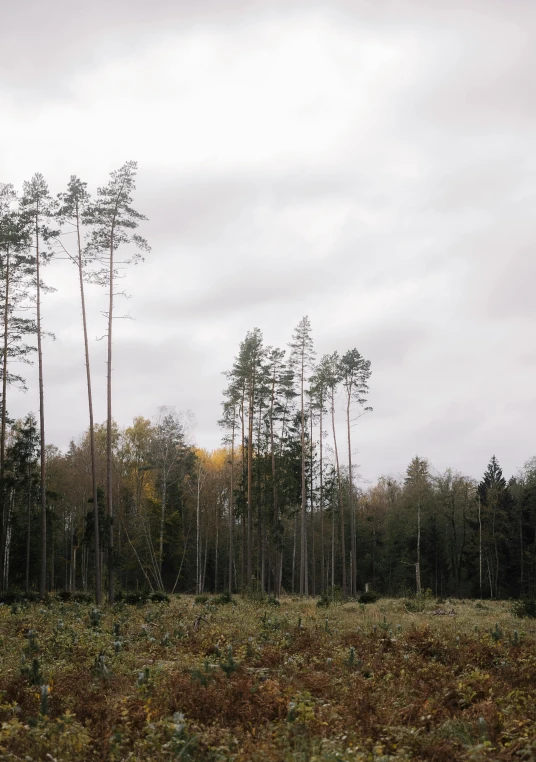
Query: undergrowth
{"points": [[221, 678]]}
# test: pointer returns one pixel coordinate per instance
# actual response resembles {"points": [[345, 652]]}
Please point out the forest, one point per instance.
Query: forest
{"points": [[278, 508]]}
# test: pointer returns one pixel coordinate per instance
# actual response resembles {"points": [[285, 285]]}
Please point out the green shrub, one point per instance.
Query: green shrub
{"points": [[81, 597], [159, 597], [65, 595], [525, 608], [223, 599], [335, 594], [370, 596], [137, 598], [254, 592], [419, 602], [200, 599]]}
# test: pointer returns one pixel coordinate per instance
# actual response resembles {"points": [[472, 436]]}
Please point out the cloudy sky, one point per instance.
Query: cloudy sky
{"points": [[368, 163]]}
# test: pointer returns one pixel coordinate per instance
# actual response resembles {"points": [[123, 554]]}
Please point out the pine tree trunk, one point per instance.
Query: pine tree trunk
{"points": [[250, 486], [275, 537], [341, 503], [109, 423], [96, 532], [43, 500], [198, 535], [29, 530], [351, 506], [303, 560], [418, 566], [3, 510], [322, 548], [313, 555], [231, 511]]}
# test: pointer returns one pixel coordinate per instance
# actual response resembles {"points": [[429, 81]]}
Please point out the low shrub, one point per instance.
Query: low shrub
{"points": [[159, 597], [525, 608], [18, 596], [223, 599], [81, 597], [419, 602], [369, 596]]}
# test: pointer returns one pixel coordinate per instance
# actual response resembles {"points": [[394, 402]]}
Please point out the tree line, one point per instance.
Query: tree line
{"points": [[278, 508]]}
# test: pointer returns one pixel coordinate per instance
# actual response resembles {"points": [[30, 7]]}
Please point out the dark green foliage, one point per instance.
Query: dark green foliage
{"points": [[132, 598], [525, 608], [17, 596], [371, 596], [31, 673], [230, 665], [159, 597], [497, 634], [80, 597], [223, 599]]}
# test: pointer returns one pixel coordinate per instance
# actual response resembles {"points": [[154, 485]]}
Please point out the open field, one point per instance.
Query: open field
{"points": [[254, 681]]}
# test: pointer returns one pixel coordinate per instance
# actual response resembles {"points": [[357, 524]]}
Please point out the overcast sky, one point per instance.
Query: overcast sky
{"points": [[370, 164]]}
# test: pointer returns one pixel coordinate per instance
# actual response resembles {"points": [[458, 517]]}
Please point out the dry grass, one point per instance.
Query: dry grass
{"points": [[349, 682]]}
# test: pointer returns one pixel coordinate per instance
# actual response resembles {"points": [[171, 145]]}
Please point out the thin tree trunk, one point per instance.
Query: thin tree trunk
{"points": [[479, 549], [43, 572], [216, 553], [198, 534], [294, 552], [341, 503], [244, 477], [109, 422], [250, 484], [231, 510], [3, 517], [313, 556], [162, 519], [353, 552], [322, 549], [275, 537], [29, 533], [303, 559], [418, 565], [96, 533], [332, 551]]}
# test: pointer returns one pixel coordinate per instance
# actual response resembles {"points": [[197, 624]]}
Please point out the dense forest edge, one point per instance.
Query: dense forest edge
{"points": [[277, 509]]}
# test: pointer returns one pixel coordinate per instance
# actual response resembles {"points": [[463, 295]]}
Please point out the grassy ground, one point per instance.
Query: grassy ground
{"points": [[253, 681]]}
